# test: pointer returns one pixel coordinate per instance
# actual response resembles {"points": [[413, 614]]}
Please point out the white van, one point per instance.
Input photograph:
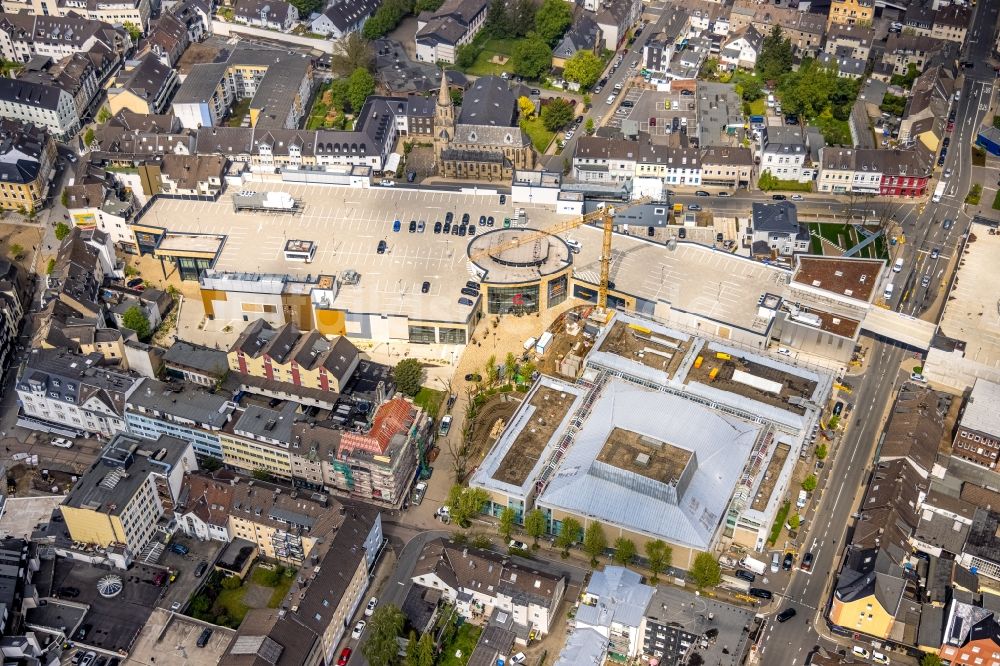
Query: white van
{"points": [[62, 443], [775, 563], [898, 266], [887, 294]]}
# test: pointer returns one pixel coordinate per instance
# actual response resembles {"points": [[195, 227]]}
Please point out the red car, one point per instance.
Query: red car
{"points": [[345, 655]]}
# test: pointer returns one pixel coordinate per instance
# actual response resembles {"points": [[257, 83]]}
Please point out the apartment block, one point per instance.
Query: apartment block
{"points": [[27, 162], [187, 411], [977, 438]]}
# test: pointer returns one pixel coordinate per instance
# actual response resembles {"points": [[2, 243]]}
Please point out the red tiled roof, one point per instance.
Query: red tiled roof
{"points": [[393, 417]]}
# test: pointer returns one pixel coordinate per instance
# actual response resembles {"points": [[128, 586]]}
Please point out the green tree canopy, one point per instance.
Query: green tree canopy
{"points": [[624, 551], [809, 483], [386, 17], [506, 521], [930, 660], [420, 652], [521, 17], [775, 57], [135, 319], [466, 503], [822, 452], [557, 114], [589, 126], [408, 374], [552, 19], [352, 53], [360, 85], [384, 626], [705, 571], [61, 231], [307, 7], [497, 19], [134, 31], [531, 57], [534, 524], [584, 68], [658, 556], [594, 541], [569, 533]]}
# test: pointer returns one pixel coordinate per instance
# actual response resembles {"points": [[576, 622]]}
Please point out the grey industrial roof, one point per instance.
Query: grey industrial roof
{"points": [[622, 598], [981, 411], [188, 355], [720, 445], [268, 423], [584, 647]]}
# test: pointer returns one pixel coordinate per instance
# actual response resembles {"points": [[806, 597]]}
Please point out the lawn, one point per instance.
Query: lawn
{"points": [[322, 112], [834, 232], [489, 48], [429, 400], [465, 640], [540, 137], [232, 602], [835, 132], [758, 107], [996, 201], [239, 110], [779, 522], [280, 582]]}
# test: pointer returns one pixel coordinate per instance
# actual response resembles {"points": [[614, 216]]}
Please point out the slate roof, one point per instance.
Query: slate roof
{"points": [[344, 15], [29, 93], [21, 150], [147, 80], [582, 36], [488, 102], [777, 217], [868, 572]]}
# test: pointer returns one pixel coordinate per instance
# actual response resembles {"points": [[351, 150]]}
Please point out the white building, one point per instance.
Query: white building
{"points": [[741, 49], [268, 14], [45, 105], [784, 155], [614, 606], [455, 24], [344, 17]]}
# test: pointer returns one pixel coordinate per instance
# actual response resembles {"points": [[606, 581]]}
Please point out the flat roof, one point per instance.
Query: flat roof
{"points": [[854, 278], [549, 407], [178, 242], [645, 456], [504, 261], [981, 408], [175, 636], [652, 349], [970, 311]]}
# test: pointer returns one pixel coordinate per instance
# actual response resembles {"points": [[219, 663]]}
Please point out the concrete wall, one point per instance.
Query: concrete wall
{"points": [[226, 29]]}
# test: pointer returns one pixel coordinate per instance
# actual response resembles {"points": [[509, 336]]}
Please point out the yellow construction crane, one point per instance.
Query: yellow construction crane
{"points": [[606, 214]]}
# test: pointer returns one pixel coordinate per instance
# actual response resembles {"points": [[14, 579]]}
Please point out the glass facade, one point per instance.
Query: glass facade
{"points": [[512, 300], [191, 269], [451, 336], [557, 291], [422, 334]]}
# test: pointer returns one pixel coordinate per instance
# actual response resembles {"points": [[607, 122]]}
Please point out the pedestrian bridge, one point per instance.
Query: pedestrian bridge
{"points": [[902, 328]]}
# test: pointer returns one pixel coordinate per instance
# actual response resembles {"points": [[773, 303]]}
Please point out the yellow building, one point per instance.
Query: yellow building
{"points": [[868, 594], [851, 12], [144, 87], [285, 354], [27, 160], [257, 439]]}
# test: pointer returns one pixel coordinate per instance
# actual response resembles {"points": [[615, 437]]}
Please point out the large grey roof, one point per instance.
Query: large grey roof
{"points": [[622, 599], [720, 444], [488, 102], [29, 93], [584, 647], [186, 402], [982, 411], [778, 217]]}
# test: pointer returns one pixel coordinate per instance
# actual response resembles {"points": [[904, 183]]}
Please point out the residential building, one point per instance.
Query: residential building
{"points": [[72, 394], [614, 605], [972, 633], [951, 23], [669, 641], [583, 35], [380, 464], [661, 47], [851, 12], [196, 15], [168, 38], [805, 30], [154, 304], [112, 12], [726, 166], [269, 14], [776, 226], [741, 48], [103, 204], [185, 411], [925, 116], [676, 163], [84, 259], [323, 604], [915, 427], [15, 294], [186, 175], [41, 104], [123, 496], [846, 66], [485, 142], [980, 552], [75, 74], [195, 363], [455, 23], [342, 18], [278, 83], [144, 86], [258, 440], [977, 437], [720, 114], [784, 155], [873, 171], [479, 581], [286, 354], [27, 162], [615, 19], [25, 35], [854, 41], [903, 50], [599, 159], [868, 593]]}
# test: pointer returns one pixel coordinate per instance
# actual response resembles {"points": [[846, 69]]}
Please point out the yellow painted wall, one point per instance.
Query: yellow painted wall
{"points": [[207, 298], [250, 455], [331, 322], [299, 306], [126, 100], [93, 527], [865, 615], [260, 535]]}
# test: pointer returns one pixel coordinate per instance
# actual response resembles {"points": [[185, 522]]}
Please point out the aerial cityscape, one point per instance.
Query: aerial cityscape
{"points": [[499, 332]]}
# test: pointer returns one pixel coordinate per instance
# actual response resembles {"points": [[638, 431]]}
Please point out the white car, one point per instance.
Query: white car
{"points": [[784, 351], [176, 606], [879, 658], [518, 658], [917, 377], [860, 652], [370, 608], [797, 197], [518, 545], [358, 629], [610, 100], [62, 443]]}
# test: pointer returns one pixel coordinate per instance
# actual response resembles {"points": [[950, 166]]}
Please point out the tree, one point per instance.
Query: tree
{"points": [[50, 267], [408, 374], [385, 18], [552, 19], [521, 17], [261, 474], [352, 53], [658, 557], [525, 106], [307, 7], [465, 503], [509, 367], [384, 626], [569, 533], [751, 89], [584, 68], [809, 483], [16, 251], [490, 370], [589, 126], [420, 652], [531, 57], [88, 137], [135, 319], [62, 230], [930, 660], [505, 522], [104, 115], [794, 521], [775, 56], [360, 85], [134, 31], [705, 572], [528, 369], [624, 551], [465, 56], [557, 114], [427, 6], [586, 100], [534, 524], [821, 451], [497, 19], [594, 541]]}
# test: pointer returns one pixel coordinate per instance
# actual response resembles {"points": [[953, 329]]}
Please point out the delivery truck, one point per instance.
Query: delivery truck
{"points": [[753, 565]]}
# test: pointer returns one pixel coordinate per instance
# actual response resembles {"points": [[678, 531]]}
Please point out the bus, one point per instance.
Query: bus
{"points": [[939, 192]]}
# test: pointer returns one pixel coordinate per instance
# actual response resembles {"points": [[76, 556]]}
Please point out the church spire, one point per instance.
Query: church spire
{"points": [[444, 97]]}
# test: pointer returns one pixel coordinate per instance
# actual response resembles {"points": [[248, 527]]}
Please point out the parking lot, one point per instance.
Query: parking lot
{"points": [[186, 583], [348, 225], [173, 639]]}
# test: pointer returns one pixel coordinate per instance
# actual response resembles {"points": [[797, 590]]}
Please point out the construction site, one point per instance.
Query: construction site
{"points": [[639, 344], [544, 412]]}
